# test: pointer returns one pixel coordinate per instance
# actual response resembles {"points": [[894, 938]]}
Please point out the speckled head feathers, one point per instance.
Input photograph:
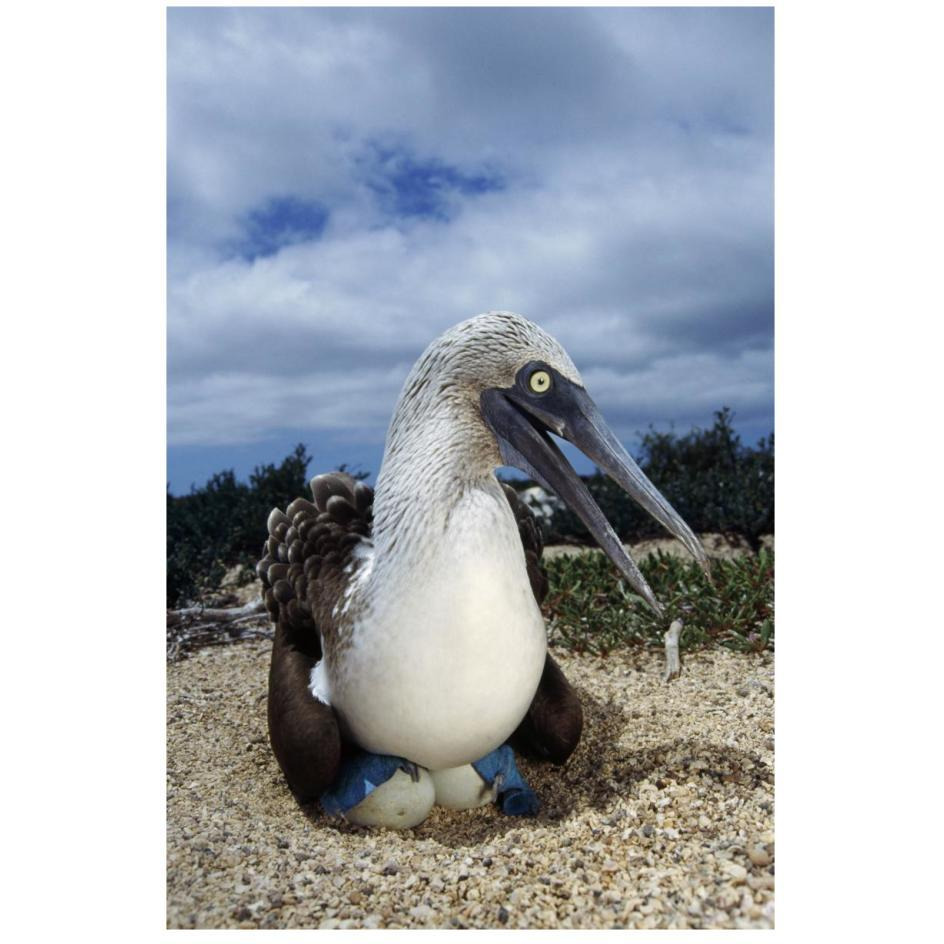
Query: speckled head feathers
{"points": [[489, 349], [439, 413], [438, 437]]}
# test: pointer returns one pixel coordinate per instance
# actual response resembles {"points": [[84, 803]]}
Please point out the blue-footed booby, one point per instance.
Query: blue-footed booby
{"points": [[409, 638]]}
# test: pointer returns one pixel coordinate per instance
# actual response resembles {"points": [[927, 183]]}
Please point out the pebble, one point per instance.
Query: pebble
{"points": [[758, 856]]}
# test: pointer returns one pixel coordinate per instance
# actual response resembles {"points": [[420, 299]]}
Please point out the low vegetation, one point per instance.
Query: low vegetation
{"points": [[590, 608], [224, 523]]}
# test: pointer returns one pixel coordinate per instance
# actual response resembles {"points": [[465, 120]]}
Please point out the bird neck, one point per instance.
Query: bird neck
{"points": [[436, 452]]}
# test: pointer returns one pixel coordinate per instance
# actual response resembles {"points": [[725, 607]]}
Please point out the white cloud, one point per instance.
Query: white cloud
{"points": [[635, 224]]}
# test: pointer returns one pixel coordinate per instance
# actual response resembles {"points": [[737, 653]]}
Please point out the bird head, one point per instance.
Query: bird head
{"points": [[527, 388]]}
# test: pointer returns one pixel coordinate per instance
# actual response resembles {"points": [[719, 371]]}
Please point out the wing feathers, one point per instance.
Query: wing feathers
{"points": [[306, 550]]}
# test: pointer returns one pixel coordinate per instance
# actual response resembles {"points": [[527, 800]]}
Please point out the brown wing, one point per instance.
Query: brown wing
{"points": [[552, 727], [308, 547], [304, 557]]}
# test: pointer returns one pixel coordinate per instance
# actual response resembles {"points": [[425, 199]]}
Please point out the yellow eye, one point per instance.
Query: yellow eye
{"points": [[540, 381]]}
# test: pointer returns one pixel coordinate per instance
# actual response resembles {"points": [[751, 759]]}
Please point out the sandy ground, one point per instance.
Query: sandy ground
{"points": [[662, 818]]}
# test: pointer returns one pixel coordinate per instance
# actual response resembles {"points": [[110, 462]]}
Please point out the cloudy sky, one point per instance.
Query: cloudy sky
{"points": [[344, 184]]}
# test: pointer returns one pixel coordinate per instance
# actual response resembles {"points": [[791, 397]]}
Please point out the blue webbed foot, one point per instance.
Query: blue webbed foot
{"points": [[513, 795], [359, 776], [380, 790]]}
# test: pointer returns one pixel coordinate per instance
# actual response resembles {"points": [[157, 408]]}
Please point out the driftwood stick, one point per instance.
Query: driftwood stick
{"points": [[673, 665], [206, 614], [194, 628]]}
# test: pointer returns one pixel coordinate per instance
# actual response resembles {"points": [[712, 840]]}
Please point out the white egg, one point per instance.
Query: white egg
{"points": [[461, 788], [397, 804]]}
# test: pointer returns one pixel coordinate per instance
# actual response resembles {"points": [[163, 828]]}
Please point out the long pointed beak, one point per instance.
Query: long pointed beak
{"points": [[520, 423], [591, 435]]}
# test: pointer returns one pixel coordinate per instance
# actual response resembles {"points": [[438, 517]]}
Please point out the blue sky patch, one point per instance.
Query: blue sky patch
{"points": [[406, 186], [282, 221]]}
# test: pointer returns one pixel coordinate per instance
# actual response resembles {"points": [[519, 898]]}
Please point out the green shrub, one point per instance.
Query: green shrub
{"points": [[223, 523], [590, 608]]}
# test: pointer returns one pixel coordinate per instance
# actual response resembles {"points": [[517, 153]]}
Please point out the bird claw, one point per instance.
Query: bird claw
{"points": [[673, 664], [408, 767], [496, 786]]}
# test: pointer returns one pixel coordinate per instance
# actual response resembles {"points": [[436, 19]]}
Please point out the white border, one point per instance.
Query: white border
{"points": [[858, 309]]}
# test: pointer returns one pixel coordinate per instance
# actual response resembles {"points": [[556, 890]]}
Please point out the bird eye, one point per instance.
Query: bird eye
{"points": [[540, 381]]}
